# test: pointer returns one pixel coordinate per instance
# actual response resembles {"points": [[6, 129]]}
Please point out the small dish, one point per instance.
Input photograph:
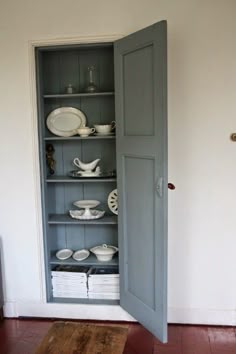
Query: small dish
{"points": [[80, 214], [80, 255], [64, 254]]}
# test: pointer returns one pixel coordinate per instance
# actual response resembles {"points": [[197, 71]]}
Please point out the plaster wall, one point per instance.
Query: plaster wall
{"points": [[201, 96]]}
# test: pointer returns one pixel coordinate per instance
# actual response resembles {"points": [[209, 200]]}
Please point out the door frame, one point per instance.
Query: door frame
{"points": [[32, 45]]}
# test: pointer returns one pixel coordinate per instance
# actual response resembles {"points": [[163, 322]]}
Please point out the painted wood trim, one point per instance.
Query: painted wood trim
{"points": [[175, 315], [74, 40]]}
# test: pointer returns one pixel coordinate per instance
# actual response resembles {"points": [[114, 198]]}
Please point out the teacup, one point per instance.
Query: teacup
{"points": [[105, 128], [85, 131]]}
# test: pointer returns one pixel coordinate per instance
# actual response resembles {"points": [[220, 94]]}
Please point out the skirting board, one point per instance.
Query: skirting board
{"points": [[202, 316], [116, 313], [72, 311]]}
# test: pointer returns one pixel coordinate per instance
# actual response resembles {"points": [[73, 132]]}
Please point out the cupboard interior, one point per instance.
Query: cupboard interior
{"points": [[58, 67]]}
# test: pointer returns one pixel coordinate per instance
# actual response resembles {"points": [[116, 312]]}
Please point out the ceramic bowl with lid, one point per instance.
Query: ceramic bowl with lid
{"points": [[104, 253]]}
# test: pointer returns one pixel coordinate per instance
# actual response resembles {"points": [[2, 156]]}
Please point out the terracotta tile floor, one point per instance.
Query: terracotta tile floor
{"points": [[23, 336]]}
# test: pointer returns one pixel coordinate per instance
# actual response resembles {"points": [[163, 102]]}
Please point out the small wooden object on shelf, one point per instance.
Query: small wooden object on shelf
{"points": [[50, 160]]}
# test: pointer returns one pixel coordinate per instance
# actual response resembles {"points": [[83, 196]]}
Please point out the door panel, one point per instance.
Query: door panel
{"points": [[141, 118], [139, 201], [138, 102]]}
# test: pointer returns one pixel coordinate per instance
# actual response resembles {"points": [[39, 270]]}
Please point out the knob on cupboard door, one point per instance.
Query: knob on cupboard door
{"points": [[159, 186]]}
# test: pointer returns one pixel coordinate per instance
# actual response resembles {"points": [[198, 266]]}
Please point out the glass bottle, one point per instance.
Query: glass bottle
{"points": [[91, 86]]}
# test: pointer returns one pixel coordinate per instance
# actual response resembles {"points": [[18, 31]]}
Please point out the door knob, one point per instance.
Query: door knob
{"points": [[171, 186]]}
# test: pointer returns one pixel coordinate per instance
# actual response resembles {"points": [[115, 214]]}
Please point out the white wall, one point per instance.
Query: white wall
{"points": [[202, 96]]}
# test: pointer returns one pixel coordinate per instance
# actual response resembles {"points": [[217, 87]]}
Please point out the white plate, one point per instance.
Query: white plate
{"points": [[86, 203], [80, 255], [80, 214], [64, 253], [65, 121], [113, 201]]}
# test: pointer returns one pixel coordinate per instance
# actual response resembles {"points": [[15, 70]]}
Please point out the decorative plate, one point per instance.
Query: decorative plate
{"points": [[80, 214], [64, 254], [113, 201], [80, 255], [65, 121]]}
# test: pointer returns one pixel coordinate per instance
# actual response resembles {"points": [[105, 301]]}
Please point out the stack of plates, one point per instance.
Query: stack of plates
{"points": [[104, 283], [70, 281]]}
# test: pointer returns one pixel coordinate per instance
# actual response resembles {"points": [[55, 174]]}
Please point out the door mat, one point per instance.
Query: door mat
{"points": [[82, 338]]}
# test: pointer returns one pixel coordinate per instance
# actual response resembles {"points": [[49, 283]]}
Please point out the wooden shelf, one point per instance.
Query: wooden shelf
{"points": [[65, 179], [67, 219], [90, 261], [59, 138], [72, 95]]}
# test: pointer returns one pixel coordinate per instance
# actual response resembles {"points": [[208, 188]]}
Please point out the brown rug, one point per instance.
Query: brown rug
{"points": [[80, 338]]}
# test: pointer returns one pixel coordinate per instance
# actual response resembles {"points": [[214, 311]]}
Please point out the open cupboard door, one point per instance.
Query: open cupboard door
{"points": [[141, 117]]}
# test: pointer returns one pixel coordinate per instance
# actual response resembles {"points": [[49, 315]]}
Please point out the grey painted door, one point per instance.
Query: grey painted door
{"points": [[141, 116]]}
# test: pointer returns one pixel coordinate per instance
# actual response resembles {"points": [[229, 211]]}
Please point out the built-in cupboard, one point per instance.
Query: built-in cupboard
{"points": [[97, 84]]}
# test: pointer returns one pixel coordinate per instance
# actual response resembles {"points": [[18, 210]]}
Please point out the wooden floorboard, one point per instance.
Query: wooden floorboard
{"points": [[24, 336]]}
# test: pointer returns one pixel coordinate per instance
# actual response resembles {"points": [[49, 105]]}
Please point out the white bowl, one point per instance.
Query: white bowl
{"points": [[80, 255], [106, 128], [86, 203], [104, 253], [64, 254]]}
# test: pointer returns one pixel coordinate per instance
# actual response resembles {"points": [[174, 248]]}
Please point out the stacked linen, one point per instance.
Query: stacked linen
{"points": [[70, 281], [104, 283]]}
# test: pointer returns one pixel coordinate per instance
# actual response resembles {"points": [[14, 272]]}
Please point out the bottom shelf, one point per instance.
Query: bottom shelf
{"points": [[85, 284], [63, 300]]}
